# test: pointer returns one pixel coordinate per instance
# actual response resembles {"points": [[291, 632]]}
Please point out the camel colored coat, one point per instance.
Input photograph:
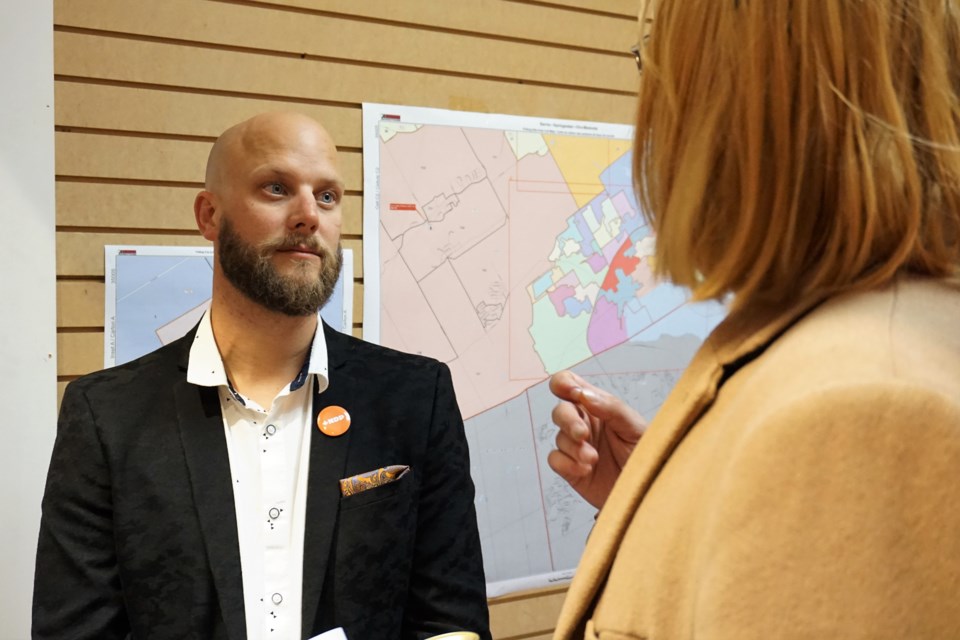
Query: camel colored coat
{"points": [[802, 481]]}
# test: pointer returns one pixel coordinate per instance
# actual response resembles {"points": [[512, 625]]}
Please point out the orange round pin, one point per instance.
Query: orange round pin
{"points": [[333, 421]]}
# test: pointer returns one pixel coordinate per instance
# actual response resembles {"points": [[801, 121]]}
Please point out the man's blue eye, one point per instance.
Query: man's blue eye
{"points": [[327, 197], [275, 188]]}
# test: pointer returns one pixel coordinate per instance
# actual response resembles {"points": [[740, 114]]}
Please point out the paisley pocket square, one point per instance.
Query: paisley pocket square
{"points": [[372, 479]]}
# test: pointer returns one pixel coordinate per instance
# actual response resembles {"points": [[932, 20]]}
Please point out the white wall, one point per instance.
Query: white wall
{"points": [[28, 339]]}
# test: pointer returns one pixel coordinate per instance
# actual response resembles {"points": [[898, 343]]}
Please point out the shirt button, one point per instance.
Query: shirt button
{"points": [[274, 513], [271, 429], [276, 598]]}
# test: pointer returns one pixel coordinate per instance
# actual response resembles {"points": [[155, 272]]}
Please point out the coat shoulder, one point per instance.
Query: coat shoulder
{"points": [[376, 359], [901, 335]]}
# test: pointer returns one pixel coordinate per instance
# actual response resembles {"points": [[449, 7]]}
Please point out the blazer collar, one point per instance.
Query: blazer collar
{"points": [[328, 459], [200, 424], [208, 463], [740, 337]]}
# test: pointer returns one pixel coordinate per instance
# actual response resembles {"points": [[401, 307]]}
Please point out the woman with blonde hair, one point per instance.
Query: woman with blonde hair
{"points": [[800, 158]]}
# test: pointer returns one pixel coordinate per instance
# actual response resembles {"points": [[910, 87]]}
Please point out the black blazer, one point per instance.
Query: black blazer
{"points": [[138, 536]]}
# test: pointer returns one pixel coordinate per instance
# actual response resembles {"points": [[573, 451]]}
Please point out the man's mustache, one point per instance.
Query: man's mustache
{"points": [[310, 243]]}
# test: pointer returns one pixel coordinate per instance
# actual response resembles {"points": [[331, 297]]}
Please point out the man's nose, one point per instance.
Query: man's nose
{"points": [[305, 214]]}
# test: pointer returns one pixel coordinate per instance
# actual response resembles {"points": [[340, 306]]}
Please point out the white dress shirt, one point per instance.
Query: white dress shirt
{"points": [[269, 450]]}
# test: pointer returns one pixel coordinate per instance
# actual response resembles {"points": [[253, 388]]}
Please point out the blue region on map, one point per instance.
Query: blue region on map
{"points": [[685, 318], [624, 293], [152, 291], [542, 284], [575, 307], [587, 248], [619, 177]]}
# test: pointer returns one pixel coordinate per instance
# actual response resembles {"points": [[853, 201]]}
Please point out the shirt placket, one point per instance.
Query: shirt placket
{"points": [[277, 520]]}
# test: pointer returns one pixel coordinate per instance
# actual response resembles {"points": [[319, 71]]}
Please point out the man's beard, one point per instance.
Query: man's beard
{"points": [[250, 268]]}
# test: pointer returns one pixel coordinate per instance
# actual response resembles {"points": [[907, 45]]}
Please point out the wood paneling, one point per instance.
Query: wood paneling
{"points": [[79, 352], [138, 158], [621, 8], [300, 34], [160, 207], [533, 612], [175, 112], [103, 57], [80, 303], [142, 89], [498, 18]]}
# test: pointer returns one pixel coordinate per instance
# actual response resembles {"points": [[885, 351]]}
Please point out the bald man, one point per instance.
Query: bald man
{"points": [[264, 477]]}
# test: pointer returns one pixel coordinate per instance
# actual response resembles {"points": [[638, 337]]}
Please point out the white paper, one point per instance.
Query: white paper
{"points": [[333, 634]]}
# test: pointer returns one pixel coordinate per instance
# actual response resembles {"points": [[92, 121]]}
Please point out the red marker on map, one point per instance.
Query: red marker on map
{"points": [[402, 206]]}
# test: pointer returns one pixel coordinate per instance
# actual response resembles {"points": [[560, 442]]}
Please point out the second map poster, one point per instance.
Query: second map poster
{"points": [[511, 248]]}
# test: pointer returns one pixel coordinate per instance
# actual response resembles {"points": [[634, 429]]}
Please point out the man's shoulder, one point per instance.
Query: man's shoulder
{"points": [[360, 351]]}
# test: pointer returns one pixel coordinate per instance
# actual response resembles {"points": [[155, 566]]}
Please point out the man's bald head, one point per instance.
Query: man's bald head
{"points": [[262, 135], [272, 208]]}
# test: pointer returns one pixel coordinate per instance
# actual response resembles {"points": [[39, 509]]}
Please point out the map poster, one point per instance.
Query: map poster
{"points": [[511, 248], [154, 295]]}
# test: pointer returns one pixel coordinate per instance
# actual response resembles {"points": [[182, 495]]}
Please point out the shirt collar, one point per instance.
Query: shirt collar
{"points": [[205, 366]]}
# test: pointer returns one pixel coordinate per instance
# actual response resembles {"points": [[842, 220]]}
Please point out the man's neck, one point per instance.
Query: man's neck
{"points": [[262, 350]]}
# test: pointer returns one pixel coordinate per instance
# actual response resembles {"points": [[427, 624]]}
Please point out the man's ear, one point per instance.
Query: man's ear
{"points": [[205, 209]]}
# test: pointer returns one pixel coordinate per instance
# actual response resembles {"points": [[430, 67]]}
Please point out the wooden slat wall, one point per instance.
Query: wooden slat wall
{"points": [[143, 88]]}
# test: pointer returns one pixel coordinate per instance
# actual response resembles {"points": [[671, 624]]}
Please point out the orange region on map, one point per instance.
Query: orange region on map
{"points": [[581, 161], [627, 264]]}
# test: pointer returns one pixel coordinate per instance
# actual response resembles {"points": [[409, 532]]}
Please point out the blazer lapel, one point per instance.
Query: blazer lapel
{"points": [[328, 459], [208, 465], [740, 337]]}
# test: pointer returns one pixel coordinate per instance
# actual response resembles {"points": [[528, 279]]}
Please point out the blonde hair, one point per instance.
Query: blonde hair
{"points": [[795, 147]]}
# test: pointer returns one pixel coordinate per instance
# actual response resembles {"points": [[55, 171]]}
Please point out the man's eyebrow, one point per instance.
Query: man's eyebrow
{"points": [[267, 172]]}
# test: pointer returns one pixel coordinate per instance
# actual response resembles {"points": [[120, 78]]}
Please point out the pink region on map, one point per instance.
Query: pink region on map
{"points": [[622, 205], [452, 307], [558, 295], [430, 162], [606, 329], [406, 320], [596, 262], [569, 280], [611, 249], [395, 190], [536, 219], [450, 289], [483, 273], [496, 154], [472, 216], [643, 275], [481, 370], [482, 377]]}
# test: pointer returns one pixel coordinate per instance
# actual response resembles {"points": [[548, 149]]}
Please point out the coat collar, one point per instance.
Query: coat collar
{"points": [[740, 337], [328, 459], [200, 425]]}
